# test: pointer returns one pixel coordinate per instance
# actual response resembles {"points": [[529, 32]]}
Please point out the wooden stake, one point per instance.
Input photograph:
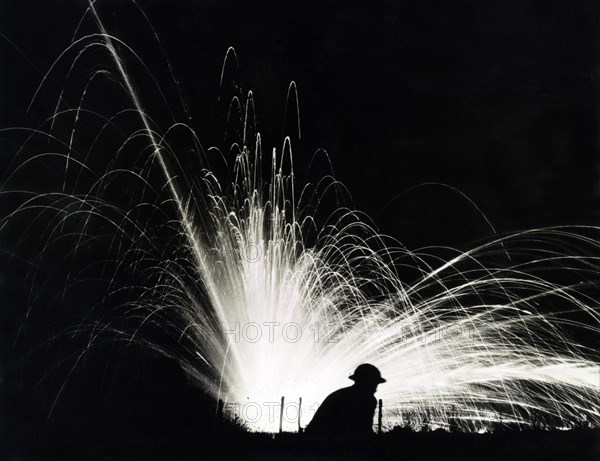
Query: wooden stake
{"points": [[379, 417], [219, 416], [221, 406], [299, 413], [281, 415]]}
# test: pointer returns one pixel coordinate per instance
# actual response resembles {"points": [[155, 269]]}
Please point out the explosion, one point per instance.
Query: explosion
{"points": [[264, 292]]}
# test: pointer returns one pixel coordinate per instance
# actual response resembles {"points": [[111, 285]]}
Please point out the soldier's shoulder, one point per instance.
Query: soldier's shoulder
{"points": [[343, 392]]}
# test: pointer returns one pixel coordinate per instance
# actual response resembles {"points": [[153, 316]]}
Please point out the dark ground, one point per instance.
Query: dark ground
{"points": [[580, 445]]}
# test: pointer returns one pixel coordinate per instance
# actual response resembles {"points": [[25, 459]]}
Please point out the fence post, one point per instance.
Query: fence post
{"points": [[379, 417], [281, 415], [299, 413], [219, 416]]}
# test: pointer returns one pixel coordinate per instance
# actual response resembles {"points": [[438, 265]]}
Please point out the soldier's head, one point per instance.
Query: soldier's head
{"points": [[367, 376]]}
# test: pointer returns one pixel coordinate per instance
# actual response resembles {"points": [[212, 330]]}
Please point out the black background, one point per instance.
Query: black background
{"points": [[496, 99]]}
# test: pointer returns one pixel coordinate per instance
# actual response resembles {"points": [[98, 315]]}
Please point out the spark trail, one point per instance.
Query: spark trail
{"points": [[262, 299]]}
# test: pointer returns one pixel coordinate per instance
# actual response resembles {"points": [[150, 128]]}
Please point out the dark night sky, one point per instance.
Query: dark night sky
{"points": [[496, 99]]}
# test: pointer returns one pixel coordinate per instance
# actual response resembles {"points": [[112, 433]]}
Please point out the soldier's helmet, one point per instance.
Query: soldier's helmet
{"points": [[367, 373]]}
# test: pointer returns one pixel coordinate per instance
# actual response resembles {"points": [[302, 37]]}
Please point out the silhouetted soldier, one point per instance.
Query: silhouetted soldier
{"points": [[349, 411]]}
